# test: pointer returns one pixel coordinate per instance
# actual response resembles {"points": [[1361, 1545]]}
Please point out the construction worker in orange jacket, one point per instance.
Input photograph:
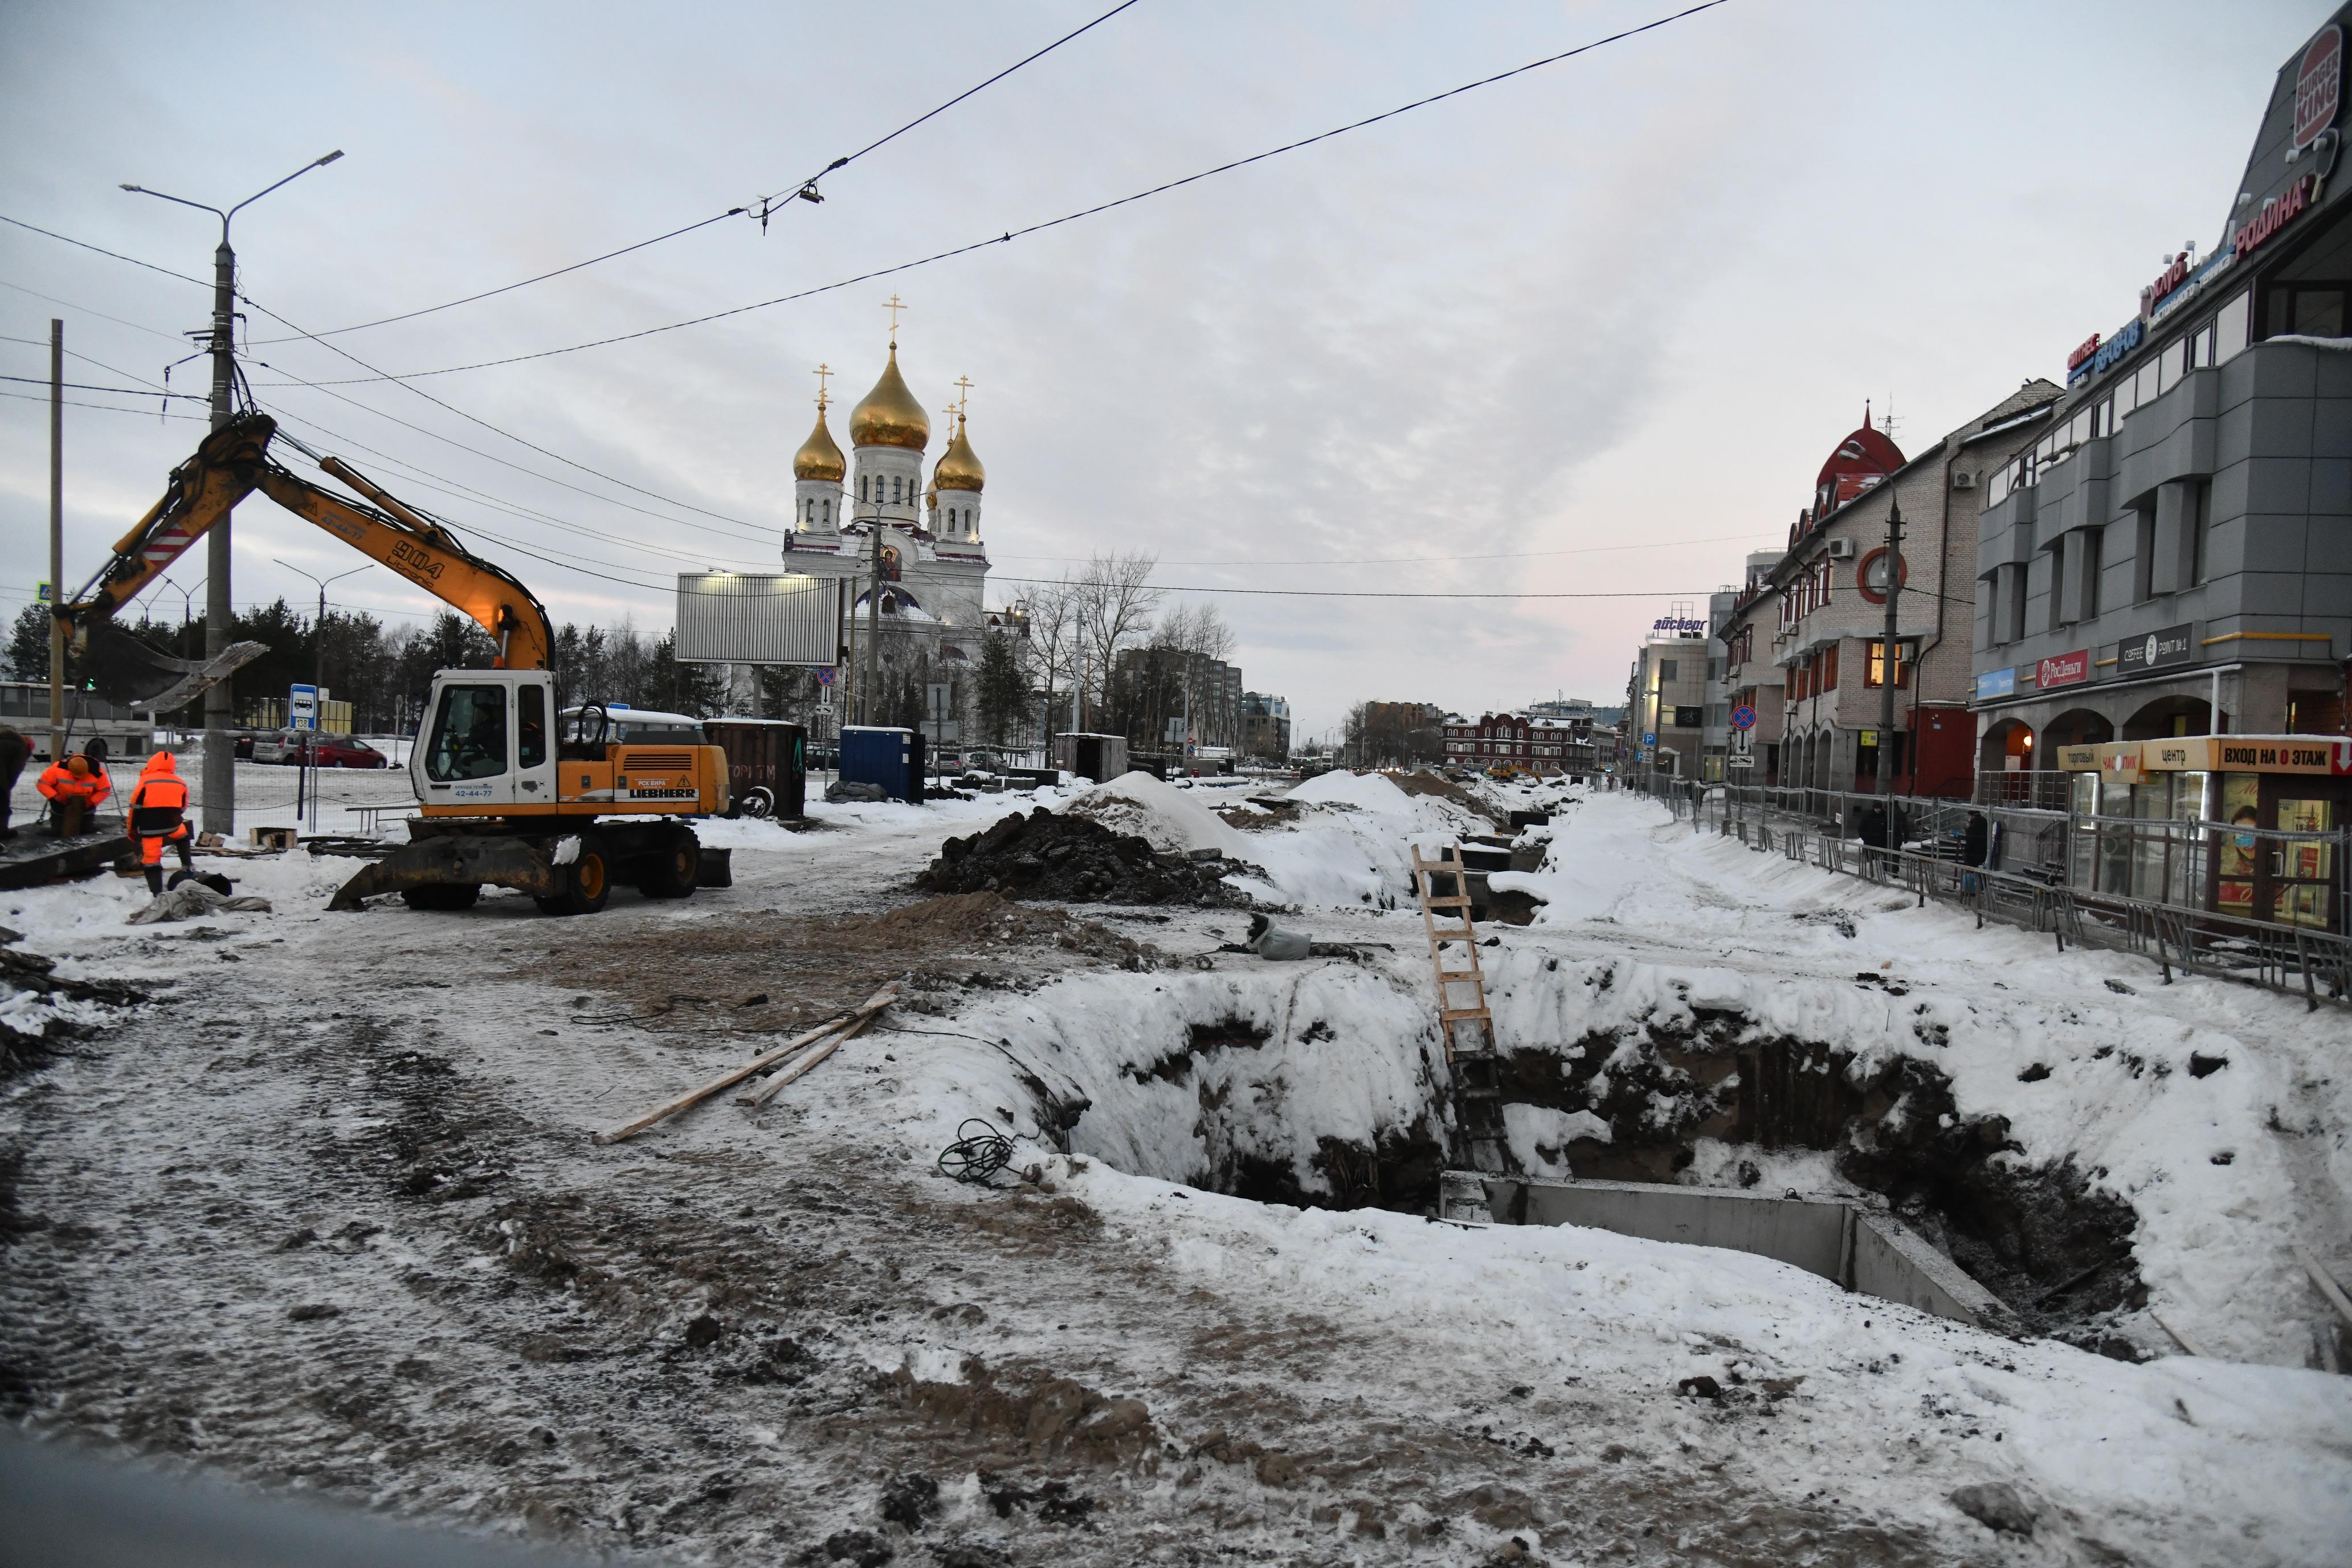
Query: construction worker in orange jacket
{"points": [[74, 787], [159, 816]]}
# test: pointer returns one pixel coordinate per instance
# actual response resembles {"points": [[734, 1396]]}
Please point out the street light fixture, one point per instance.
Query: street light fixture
{"points": [[220, 763], [317, 676]]}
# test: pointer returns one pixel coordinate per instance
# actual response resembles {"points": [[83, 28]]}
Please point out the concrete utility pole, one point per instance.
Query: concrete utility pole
{"points": [[57, 539], [1888, 666], [219, 805]]}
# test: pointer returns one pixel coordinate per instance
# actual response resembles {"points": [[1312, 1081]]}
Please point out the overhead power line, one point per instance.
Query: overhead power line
{"points": [[107, 407], [85, 245], [118, 321], [1099, 207], [1356, 593], [766, 206], [125, 391]]}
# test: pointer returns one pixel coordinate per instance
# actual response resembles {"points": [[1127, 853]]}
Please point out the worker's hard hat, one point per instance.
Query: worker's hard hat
{"points": [[77, 766]]}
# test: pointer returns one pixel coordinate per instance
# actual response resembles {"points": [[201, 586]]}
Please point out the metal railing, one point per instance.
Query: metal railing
{"points": [[2129, 884]]}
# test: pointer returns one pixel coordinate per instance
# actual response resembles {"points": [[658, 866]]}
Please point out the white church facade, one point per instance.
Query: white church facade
{"points": [[934, 563]]}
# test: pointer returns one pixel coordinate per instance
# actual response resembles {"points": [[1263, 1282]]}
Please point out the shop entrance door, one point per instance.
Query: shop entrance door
{"points": [[2303, 871]]}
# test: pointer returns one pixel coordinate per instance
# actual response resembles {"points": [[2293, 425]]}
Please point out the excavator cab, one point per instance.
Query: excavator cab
{"points": [[485, 741]]}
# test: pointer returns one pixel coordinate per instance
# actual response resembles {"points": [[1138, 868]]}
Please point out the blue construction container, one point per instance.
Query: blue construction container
{"points": [[891, 758]]}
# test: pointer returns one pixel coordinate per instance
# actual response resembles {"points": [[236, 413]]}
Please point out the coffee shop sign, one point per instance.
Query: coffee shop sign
{"points": [[1672, 625]]}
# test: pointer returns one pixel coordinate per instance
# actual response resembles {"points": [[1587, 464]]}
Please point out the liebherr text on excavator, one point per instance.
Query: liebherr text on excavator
{"points": [[513, 794]]}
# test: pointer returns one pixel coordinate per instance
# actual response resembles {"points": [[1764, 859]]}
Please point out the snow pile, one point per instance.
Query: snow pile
{"points": [[1366, 792], [1163, 815]]}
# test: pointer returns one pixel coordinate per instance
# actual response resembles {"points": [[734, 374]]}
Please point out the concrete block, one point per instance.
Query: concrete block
{"points": [[2285, 370], [2237, 379], [2280, 426], [2332, 375], [2331, 487], [2331, 421], [2327, 547], [2274, 594], [2275, 485], [1831, 1237], [2326, 595], [1893, 1261], [2271, 542], [2234, 430]]}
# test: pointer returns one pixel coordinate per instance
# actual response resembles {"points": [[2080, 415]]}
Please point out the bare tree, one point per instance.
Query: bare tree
{"points": [[1117, 600], [1053, 645]]}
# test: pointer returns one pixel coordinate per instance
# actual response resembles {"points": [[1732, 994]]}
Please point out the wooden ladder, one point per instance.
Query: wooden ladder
{"points": [[1469, 1031]]}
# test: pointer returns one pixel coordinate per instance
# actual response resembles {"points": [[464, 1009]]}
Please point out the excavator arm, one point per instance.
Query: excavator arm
{"points": [[232, 463]]}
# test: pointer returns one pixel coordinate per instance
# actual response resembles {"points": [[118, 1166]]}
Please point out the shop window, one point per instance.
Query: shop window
{"points": [[2230, 325], [2307, 310], [2127, 398], [2144, 384]]}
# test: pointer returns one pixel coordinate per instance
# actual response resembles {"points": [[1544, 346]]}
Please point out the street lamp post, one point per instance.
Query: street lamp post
{"points": [[318, 685], [220, 761]]}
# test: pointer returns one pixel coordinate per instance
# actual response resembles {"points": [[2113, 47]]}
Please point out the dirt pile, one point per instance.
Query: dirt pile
{"points": [[1424, 782], [1055, 854]]}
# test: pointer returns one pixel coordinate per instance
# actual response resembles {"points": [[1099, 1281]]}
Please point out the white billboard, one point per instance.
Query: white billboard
{"points": [[728, 618]]}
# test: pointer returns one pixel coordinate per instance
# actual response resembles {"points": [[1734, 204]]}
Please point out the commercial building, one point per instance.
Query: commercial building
{"points": [[2173, 557], [1665, 699], [1266, 727], [1827, 606], [1745, 681], [1522, 742]]}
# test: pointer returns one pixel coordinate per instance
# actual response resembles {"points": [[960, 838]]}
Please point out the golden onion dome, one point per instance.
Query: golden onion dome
{"points": [[819, 458], [888, 415], [959, 467]]}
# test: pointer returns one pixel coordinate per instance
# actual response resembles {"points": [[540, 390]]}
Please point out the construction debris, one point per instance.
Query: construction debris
{"points": [[1055, 854], [192, 899], [844, 1025]]}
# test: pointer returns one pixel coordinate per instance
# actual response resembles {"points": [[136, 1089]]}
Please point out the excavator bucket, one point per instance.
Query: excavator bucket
{"points": [[454, 861]]}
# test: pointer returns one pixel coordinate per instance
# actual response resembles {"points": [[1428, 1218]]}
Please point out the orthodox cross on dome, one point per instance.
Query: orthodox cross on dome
{"points": [[963, 400], [894, 307], [822, 373]]}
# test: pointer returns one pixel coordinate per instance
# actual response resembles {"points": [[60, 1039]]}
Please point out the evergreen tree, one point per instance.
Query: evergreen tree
{"points": [[28, 644], [1003, 695]]}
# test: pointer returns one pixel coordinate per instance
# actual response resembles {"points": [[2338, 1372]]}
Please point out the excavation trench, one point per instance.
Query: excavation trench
{"points": [[1304, 1096]]}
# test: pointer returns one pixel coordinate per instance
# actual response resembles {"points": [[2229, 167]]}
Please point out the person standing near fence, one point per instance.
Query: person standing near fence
{"points": [[1976, 846]]}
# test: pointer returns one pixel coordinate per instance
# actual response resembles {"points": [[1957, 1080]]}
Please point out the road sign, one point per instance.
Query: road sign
{"points": [[1649, 740], [43, 592], [825, 676], [1743, 717], [1738, 762], [302, 707], [937, 693]]}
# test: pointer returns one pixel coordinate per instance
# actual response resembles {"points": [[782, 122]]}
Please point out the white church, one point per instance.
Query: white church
{"points": [[934, 566]]}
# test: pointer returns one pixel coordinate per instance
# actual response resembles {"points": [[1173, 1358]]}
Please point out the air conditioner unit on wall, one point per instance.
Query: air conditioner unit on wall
{"points": [[1963, 481], [1840, 549]]}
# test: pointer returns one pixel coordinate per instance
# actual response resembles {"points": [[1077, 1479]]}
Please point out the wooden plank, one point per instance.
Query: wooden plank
{"points": [[873, 1005], [766, 1089], [2325, 1281]]}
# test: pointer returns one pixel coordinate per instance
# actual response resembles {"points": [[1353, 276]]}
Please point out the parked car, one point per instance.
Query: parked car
{"points": [[283, 746], [347, 752]]}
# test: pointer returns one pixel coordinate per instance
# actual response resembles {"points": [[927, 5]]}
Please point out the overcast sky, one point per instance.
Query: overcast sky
{"points": [[1589, 331]]}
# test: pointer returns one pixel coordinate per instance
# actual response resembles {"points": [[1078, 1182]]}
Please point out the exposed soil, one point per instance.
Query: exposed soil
{"points": [[763, 972], [1067, 858], [1425, 782]]}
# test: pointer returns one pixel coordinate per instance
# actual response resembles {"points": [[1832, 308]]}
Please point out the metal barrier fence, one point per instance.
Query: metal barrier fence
{"points": [[2053, 875]]}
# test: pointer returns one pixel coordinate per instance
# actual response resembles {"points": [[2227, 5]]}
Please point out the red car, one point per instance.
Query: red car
{"points": [[334, 751]]}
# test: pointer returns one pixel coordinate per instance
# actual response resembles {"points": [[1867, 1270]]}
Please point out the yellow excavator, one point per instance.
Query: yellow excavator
{"points": [[514, 790]]}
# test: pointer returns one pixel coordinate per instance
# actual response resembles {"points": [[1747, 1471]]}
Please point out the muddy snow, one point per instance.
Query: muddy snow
{"points": [[321, 1212]]}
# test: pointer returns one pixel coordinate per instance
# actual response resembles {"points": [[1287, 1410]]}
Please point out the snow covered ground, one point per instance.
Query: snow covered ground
{"points": [[324, 1215]]}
